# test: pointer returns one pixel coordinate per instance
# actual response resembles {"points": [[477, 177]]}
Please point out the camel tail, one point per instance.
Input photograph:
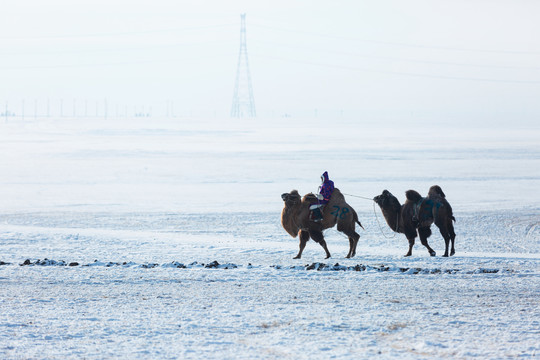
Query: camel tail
{"points": [[358, 222]]}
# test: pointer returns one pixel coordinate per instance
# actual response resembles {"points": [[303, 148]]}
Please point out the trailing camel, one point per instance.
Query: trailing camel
{"points": [[416, 216], [296, 220]]}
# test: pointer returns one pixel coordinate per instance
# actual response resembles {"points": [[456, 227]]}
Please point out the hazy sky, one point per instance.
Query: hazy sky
{"points": [[437, 60]]}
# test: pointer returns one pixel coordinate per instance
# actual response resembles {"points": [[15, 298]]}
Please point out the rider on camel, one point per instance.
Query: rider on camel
{"points": [[325, 192]]}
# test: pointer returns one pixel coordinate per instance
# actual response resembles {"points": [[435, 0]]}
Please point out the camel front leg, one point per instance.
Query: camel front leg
{"points": [[411, 244], [424, 233], [304, 238], [318, 236]]}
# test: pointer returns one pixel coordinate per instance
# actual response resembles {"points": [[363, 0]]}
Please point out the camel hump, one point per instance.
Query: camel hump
{"points": [[436, 190], [310, 198], [413, 195], [337, 194], [337, 198]]}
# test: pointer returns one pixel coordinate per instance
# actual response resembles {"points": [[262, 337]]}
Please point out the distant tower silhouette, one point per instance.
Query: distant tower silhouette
{"points": [[243, 104]]}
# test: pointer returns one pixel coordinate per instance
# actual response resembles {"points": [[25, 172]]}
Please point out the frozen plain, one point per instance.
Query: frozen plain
{"points": [[145, 209]]}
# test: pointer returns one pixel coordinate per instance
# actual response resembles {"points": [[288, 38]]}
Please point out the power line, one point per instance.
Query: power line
{"points": [[443, 77], [116, 50], [118, 63], [391, 58], [389, 43], [115, 34]]}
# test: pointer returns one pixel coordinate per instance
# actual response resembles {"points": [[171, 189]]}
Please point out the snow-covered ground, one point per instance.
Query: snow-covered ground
{"points": [[154, 238]]}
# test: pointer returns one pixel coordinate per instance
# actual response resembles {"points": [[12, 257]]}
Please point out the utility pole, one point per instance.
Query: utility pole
{"points": [[243, 104]]}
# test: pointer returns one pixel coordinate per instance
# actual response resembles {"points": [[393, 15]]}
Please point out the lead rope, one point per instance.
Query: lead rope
{"points": [[361, 197], [380, 227], [377, 218]]}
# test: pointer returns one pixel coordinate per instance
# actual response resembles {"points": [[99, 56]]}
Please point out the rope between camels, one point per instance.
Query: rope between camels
{"points": [[376, 217], [358, 196]]}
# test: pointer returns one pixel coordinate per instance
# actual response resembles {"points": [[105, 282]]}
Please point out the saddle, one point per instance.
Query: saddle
{"points": [[315, 209], [426, 212]]}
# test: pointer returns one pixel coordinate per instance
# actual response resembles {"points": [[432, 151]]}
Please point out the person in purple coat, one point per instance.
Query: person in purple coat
{"points": [[326, 189], [325, 192]]}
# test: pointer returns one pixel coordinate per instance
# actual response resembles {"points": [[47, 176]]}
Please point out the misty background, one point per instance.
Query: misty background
{"points": [[459, 62]]}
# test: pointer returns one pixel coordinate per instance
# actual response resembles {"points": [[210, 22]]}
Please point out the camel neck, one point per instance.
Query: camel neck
{"points": [[392, 219]]}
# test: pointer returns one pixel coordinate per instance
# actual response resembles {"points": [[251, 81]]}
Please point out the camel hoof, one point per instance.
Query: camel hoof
{"points": [[445, 255], [433, 253], [452, 253], [296, 257], [407, 255], [328, 257]]}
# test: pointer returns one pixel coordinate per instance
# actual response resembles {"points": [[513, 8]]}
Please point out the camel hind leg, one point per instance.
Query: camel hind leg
{"points": [[452, 237], [353, 239], [447, 231], [344, 227], [445, 234], [353, 243]]}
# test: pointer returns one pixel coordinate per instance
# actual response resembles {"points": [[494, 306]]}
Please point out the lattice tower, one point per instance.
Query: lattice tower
{"points": [[243, 104]]}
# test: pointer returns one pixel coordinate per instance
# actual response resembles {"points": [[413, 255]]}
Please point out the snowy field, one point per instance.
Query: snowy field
{"points": [[161, 239]]}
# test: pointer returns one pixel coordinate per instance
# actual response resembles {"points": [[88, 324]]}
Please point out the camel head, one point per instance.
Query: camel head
{"points": [[387, 201], [292, 198], [290, 212]]}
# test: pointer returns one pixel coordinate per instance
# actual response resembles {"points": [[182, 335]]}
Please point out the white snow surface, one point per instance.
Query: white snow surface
{"points": [[161, 239]]}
